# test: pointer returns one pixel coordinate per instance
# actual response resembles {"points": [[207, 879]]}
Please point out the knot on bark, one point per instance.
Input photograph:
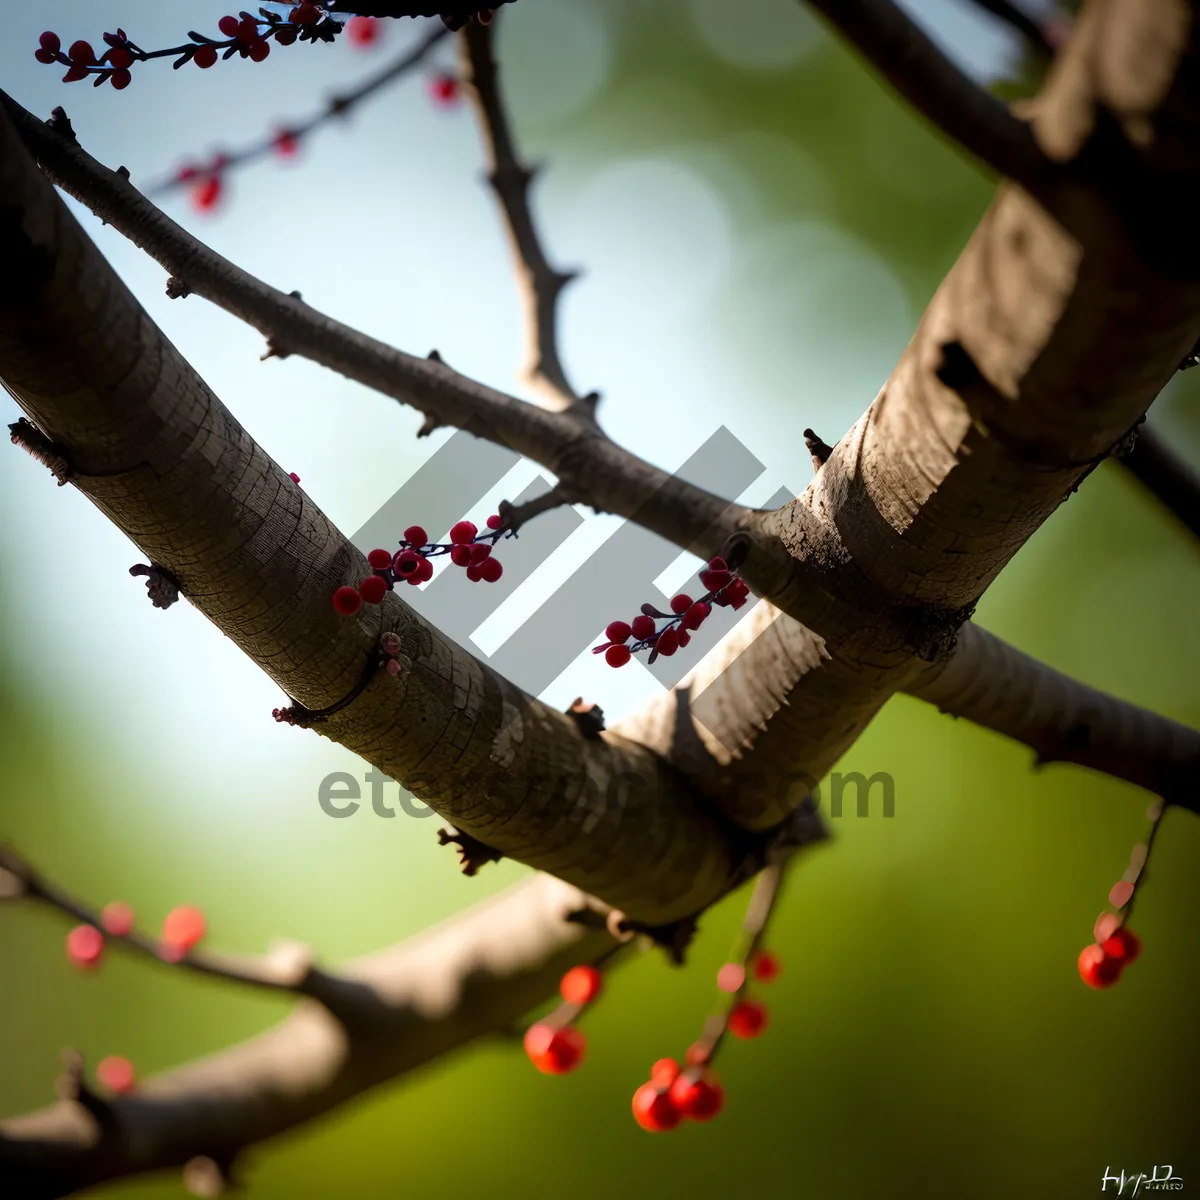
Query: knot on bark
{"points": [[50, 454], [161, 586], [588, 717], [472, 853], [932, 631]]}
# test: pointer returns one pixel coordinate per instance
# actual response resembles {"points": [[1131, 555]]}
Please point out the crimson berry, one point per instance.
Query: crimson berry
{"points": [[701, 1099], [117, 918], [45, 56], [285, 35], [259, 49], [380, 559], [654, 1110], [1123, 946], [85, 947], [493, 522], [205, 57], [1096, 969], [75, 73], [120, 79], [304, 14], [247, 30], [424, 572], [286, 144], [373, 589], [347, 601], [581, 985], [406, 562], [50, 42], [228, 26], [463, 532], [207, 193], [554, 1051], [479, 552], [617, 656], [714, 581], [294, 477], [184, 927], [474, 574], [415, 535], [747, 1019], [617, 631], [696, 615], [680, 604], [460, 556], [443, 90], [642, 627], [766, 966], [116, 1073], [717, 564], [731, 977], [664, 1072], [362, 31], [491, 570], [684, 637], [81, 53], [668, 642], [120, 57]]}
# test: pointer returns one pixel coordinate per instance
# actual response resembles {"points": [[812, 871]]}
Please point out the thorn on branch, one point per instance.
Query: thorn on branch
{"points": [[428, 426], [513, 518], [161, 586], [674, 938], [50, 454], [588, 717], [819, 450], [124, 173], [273, 350], [472, 853], [60, 124]]}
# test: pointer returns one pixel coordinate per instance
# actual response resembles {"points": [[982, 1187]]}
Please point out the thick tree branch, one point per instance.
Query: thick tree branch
{"points": [[1062, 720], [539, 283], [1166, 476]]}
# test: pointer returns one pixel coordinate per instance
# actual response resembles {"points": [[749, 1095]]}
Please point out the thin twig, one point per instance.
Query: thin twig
{"points": [[540, 284], [1166, 476]]}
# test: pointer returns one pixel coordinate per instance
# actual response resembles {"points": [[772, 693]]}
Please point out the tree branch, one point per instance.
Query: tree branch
{"points": [[1166, 476], [1062, 720], [540, 284]]}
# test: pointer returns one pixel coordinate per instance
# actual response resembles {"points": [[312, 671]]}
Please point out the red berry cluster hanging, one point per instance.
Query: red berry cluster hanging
{"points": [[553, 1044], [724, 588], [467, 548]]}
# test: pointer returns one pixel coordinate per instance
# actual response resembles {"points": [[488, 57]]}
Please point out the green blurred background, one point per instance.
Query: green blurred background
{"points": [[760, 225]]}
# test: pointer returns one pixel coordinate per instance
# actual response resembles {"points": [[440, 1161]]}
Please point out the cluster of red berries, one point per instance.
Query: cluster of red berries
{"points": [[1115, 947], [81, 61], [183, 928], [364, 32], [686, 616], [556, 1047], [467, 548], [672, 1095]]}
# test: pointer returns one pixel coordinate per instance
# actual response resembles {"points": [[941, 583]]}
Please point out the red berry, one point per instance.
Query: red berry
{"points": [[304, 14], [1123, 946], [668, 641], [406, 562], [479, 552], [701, 1099], [347, 601], [491, 570], [654, 1110], [642, 627], [285, 35], [293, 477], [766, 966], [45, 56], [443, 90], [207, 193], [81, 53], [380, 559], [75, 73], [474, 574], [416, 536], [117, 918], [731, 977], [50, 41], [684, 637], [205, 57], [718, 564], [714, 581], [1096, 969], [286, 144], [120, 79], [120, 57], [85, 946], [462, 533], [581, 985], [617, 656], [696, 615], [554, 1051], [228, 26], [664, 1072], [116, 1073], [747, 1019], [680, 604], [363, 31], [493, 522], [373, 589], [259, 49], [460, 556], [184, 927], [424, 571], [617, 631], [247, 30]]}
